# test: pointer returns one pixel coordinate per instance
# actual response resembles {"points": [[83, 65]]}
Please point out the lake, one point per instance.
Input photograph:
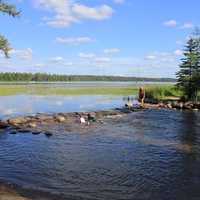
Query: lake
{"points": [[17, 105], [24, 99], [152, 154]]}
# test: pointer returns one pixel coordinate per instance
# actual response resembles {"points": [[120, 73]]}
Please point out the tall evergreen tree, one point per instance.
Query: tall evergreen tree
{"points": [[12, 11], [189, 73]]}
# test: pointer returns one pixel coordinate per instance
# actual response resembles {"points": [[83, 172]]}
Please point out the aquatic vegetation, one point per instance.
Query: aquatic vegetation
{"points": [[53, 89], [162, 92]]}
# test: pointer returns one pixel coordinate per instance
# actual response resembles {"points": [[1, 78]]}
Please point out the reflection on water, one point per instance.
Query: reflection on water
{"points": [[141, 156], [28, 104]]}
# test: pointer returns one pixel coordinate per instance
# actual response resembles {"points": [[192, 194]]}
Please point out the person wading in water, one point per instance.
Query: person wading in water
{"points": [[141, 96]]}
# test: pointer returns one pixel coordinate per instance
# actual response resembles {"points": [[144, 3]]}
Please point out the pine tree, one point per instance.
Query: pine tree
{"points": [[12, 11], [189, 73]]}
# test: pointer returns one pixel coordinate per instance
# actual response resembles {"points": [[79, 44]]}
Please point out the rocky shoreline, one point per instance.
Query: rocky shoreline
{"points": [[39, 123], [174, 103]]}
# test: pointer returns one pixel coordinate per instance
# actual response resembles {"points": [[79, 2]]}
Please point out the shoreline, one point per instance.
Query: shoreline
{"points": [[9, 191], [38, 123]]}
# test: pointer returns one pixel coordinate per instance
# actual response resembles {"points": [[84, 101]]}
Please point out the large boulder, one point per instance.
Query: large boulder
{"points": [[188, 106], [59, 118], [17, 121]]}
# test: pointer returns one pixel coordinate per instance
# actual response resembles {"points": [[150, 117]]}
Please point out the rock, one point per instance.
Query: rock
{"points": [[17, 121], [13, 132], [161, 105], [32, 125], [23, 131], [178, 105], [169, 105], [188, 106], [43, 117], [36, 132], [3, 125], [59, 118], [48, 134]]}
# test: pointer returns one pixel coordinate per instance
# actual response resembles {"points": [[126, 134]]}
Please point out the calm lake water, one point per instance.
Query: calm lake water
{"points": [[17, 105], [146, 155], [25, 104]]}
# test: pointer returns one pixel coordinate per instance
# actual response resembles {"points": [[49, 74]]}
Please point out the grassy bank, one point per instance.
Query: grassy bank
{"points": [[153, 91], [162, 92]]}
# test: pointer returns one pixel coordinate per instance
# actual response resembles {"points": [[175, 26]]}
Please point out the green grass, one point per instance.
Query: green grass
{"points": [[152, 91], [162, 92], [6, 90]]}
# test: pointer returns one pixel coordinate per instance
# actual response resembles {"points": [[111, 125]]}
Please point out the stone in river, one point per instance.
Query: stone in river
{"points": [[32, 125], [17, 121], [59, 118], [36, 132], [3, 125], [48, 134], [13, 132]]}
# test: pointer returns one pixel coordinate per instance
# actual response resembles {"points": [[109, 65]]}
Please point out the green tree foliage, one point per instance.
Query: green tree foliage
{"points": [[189, 73], [12, 11], [42, 77]]}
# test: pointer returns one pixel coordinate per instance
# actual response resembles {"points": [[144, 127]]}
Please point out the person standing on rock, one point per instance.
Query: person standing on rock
{"points": [[141, 96]]}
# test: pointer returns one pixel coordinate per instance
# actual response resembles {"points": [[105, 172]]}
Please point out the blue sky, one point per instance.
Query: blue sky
{"points": [[101, 37]]}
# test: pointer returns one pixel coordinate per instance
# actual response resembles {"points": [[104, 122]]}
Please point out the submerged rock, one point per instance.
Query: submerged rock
{"points": [[3, 125], [48, 134], [36, 132], [13, 132]]}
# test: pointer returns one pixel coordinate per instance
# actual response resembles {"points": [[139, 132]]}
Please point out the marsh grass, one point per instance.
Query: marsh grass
{"points": [[152, 90], [7, 90], [161, 92]]}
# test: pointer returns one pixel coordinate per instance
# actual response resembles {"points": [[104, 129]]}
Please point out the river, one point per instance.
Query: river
{"points": [[152, 154]]}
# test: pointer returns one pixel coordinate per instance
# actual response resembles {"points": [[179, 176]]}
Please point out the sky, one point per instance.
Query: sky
{"points": [[143, 38]]}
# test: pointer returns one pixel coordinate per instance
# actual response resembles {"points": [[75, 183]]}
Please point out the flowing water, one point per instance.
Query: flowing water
{"points": [[151, 154]]}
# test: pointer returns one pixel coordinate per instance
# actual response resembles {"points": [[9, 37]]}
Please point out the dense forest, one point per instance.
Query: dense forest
{"points": [[41, 77]]}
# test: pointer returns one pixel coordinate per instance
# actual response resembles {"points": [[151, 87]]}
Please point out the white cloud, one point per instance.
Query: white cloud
{"points": [[170, 23], [67, 64], [102, 60], [66, 12], [39, 65], [119, 1], [150, 57], [87, 55], [187, 26], [56, 59], [159, 57], [111, 51], [178, 52], [74, 40], [98, 13], [25, 54]]}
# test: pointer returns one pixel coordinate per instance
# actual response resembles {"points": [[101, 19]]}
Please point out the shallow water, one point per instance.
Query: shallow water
{"points": [[146, 155], [29, 104]]}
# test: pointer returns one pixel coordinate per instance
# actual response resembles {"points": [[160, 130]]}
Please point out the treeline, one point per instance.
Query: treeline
{"points": [[42, 77]]}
